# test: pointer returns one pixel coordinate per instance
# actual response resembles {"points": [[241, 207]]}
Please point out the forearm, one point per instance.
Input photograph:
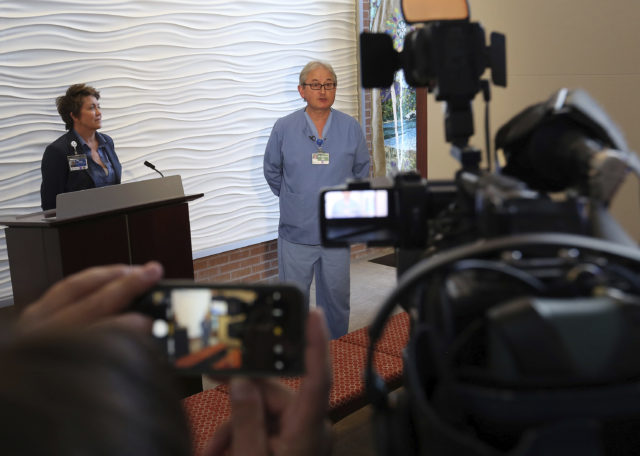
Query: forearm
{"points": [[272, 165]]}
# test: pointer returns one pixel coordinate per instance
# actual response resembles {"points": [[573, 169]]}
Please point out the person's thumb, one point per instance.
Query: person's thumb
{"points": [[248, 427]]}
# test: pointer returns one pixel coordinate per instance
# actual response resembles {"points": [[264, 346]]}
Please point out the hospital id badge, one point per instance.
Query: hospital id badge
{"points": [[77, 162], [320, 158]]}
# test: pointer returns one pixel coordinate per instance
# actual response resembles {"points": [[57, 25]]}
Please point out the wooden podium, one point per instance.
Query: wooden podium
{"points": [[129, 223]]}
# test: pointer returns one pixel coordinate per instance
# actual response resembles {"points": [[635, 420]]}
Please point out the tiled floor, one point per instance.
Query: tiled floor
{"points": [[353, 435]]}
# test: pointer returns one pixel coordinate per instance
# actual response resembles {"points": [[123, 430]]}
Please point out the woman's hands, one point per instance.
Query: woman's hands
{"points": [[99, 294]]}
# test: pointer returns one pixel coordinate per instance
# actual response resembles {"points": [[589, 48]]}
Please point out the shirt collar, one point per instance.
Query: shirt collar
{"points": [[312, 126], [84, 144]]}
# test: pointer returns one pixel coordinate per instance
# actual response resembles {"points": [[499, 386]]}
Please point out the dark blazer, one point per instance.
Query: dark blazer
{"points": [[56, 176]]}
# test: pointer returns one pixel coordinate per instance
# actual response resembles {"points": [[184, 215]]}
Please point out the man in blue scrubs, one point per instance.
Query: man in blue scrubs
{"points": [[309, 149]]}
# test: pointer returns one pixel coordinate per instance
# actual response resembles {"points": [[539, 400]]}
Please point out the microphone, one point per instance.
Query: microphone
{"points": [[152, 166], [565, 153], [568, 141]]}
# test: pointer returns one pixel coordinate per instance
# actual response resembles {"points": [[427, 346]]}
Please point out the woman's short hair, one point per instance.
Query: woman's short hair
{"points": [[71, 102], [309, 67]]}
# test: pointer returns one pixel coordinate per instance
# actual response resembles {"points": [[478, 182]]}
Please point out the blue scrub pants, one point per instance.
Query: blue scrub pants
{"points": [[297, 263]]}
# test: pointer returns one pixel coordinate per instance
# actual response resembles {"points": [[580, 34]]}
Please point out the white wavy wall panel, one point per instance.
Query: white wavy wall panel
{"points": [[192, 86]]}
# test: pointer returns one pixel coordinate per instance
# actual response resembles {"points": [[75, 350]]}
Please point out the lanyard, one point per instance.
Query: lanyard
{"points": [[319, 142]]}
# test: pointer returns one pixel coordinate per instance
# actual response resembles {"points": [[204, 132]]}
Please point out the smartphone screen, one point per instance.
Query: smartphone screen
{"points": [[225, 330]]}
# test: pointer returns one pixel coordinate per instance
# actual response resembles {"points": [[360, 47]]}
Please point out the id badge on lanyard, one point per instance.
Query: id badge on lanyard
{"points": [[77, 162], [320, 157]]}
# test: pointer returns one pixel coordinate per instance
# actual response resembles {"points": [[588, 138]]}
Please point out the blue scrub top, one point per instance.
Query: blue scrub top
{"points": [[297, 182]]}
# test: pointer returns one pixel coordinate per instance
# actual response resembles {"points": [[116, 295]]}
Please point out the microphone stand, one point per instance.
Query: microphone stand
{"points": [[150, 165]]}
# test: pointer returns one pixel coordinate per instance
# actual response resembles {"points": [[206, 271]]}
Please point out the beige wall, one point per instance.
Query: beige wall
{"points": [[552, 44]]}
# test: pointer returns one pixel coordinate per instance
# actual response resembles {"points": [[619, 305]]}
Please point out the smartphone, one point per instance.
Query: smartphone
{"points": [[223, 330]]}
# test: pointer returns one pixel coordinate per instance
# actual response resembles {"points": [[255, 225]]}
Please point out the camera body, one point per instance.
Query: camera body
{"points": [[409, 212]]}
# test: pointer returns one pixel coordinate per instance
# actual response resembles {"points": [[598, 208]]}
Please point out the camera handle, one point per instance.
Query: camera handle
{"points": [[468, 156], [406, 258]]}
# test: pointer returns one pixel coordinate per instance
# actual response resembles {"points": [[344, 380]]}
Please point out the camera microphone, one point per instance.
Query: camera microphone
{"points": [[567, 141], [565, 154], [379, 61], [150, 165]]}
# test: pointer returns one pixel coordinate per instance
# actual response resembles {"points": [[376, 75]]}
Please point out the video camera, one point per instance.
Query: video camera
{"points": [[524, 302], [565, 144]]}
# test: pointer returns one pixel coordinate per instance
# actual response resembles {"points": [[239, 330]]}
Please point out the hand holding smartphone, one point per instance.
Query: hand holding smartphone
{"points": [[223, 330]]}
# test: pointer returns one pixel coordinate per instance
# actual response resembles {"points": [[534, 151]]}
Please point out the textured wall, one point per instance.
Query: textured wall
{"points": [[192, 86]]}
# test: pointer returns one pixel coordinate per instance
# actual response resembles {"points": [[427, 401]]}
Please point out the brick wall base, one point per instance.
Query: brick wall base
{"points": [[257, 263]]}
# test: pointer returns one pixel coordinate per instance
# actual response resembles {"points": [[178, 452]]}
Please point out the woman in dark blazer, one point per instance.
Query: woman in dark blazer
{"points": [[82, 158]]}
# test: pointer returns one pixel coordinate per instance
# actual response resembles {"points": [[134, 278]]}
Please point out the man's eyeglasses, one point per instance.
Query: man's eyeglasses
{"points": [[318, 86]]}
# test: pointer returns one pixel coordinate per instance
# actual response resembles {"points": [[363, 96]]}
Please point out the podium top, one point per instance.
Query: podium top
{"points": [[95, 201], [113, 197]]}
